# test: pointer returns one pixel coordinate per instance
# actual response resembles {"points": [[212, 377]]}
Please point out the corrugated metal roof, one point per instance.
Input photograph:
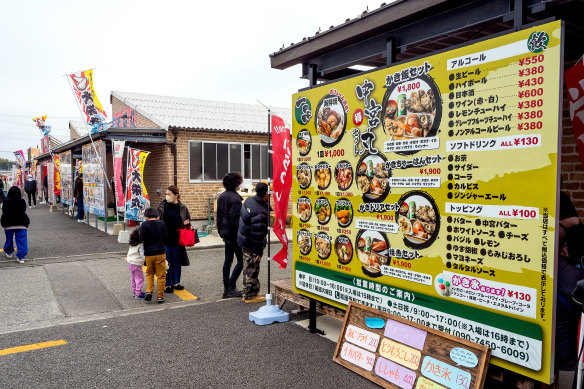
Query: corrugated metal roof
{"points": [[78, 126], [180, 112]]}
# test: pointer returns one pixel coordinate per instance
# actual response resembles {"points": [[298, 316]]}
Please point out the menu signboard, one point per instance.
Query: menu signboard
{"points": [[428, 190], [93, 178]]}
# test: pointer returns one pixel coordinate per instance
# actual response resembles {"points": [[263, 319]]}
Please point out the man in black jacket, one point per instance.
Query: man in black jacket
{"points": [[78, 196], [228, 213], [30, 187], [251, 236]]}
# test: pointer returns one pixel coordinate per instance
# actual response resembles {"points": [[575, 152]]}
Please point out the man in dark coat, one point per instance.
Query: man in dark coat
{"points": [[30, 187], [252, 237], [78, 195], [228, 213]]}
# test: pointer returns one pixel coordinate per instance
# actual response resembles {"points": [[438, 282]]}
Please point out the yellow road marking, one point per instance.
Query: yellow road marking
{"points": [[181, 294], [30, 347], [185, 295]]}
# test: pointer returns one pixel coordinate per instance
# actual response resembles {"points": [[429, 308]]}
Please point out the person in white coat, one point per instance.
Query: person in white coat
{"points": [[135, 260]]}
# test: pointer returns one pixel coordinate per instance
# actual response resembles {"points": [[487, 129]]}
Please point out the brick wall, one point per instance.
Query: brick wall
{"points": [[195, 195], [572, 172]]}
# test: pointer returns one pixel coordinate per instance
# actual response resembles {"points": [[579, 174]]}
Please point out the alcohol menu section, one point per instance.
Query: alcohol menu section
{"points": [[428, 190], [394, 353]]}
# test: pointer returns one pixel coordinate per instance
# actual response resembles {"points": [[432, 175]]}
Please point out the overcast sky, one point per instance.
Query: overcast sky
{"points": [[216, 50]]}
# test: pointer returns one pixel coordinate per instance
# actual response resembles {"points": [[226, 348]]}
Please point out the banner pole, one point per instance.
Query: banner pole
{"points": [[89, 133], [269, 192], [114, 191], [128, 154]]}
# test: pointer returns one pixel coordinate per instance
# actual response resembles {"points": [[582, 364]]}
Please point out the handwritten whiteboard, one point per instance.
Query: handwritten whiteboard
{"points": [[407, 355]]}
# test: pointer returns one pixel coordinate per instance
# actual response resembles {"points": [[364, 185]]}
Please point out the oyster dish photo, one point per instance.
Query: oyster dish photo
{"points": [[304, 175], [330, 120], [304, 241], [322, 210], [304, 209], [303, 142], [372, 249], [322, 243], [344, 175], [373, 178], [418, 219], [412, 109], [343, 249]]}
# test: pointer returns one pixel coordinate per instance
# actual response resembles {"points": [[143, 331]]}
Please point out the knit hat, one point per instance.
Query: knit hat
{"points": [[261, 189]]}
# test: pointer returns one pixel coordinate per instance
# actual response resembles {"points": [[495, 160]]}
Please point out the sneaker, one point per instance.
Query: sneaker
{"points": [[79, 220], [20, 260], [160, 300], [232, 293], [8, 255], [141, 295], [178, 287], [169, 289], [148, 297]]}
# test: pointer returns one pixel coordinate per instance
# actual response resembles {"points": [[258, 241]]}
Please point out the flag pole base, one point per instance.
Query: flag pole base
{"points": [[269, 314]]}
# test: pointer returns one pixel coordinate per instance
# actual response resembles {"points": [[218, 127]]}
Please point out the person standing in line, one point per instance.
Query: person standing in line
{"points": [[30, 187], [152, 234], [2, 183], [228, 214], [46, 188], [78, 195], [135, 258], [15, 221], [175, 216], [251, 236]]}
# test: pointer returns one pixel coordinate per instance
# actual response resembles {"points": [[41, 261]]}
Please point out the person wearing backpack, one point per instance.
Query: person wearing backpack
{"points": [[252, 237], [228, 213]]}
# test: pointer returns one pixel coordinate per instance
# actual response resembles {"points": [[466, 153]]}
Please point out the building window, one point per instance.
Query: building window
{"points": [[210, 161], [195, 161]]}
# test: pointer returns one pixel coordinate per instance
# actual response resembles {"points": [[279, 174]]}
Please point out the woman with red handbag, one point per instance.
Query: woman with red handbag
{"points": [[176, 216]]}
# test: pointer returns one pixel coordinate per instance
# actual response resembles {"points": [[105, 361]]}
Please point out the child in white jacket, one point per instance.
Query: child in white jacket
{"points": [[135, 260]]}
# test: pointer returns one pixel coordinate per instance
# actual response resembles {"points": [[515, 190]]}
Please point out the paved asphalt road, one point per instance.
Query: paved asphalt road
{"points": [[76, 290], [203, 346]]}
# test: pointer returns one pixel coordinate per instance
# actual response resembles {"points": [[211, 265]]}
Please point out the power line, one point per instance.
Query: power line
{"points": [[32, 116]]}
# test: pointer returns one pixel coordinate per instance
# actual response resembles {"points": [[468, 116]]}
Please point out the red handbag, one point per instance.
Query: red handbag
{"points": [[187, 236]]}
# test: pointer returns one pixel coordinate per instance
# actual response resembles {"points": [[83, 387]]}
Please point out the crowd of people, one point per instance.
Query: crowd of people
{"points": [[242, 225]]}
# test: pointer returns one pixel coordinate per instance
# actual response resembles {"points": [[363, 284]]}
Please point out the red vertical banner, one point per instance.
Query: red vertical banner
{"points": [[282, 170], [118, 154], [575, 83], [57, 176]]}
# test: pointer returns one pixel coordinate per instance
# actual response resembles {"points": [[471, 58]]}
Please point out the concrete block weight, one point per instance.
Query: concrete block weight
{"points": [[118, 227], [123, 236]]}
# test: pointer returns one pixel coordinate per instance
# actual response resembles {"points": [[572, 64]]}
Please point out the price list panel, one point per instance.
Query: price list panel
{"points": [[428, 190]]}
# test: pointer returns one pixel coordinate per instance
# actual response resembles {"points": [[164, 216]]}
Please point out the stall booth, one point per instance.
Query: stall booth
{"points": [[93, 156], [204, 140], [45, 170], [431, 142]]}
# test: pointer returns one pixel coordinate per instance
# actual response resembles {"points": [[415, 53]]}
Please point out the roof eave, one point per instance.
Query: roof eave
{"points": [[351, 31]]}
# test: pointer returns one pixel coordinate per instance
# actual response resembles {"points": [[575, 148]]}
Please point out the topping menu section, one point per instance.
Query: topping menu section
{"points": [[428, 190]]}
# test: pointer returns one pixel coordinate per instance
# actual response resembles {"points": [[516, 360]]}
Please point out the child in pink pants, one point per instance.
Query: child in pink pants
{"points": [[135, 260]]}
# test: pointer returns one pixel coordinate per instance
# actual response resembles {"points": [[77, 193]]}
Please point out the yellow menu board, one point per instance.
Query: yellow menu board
{"points": [[428, 190]]}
